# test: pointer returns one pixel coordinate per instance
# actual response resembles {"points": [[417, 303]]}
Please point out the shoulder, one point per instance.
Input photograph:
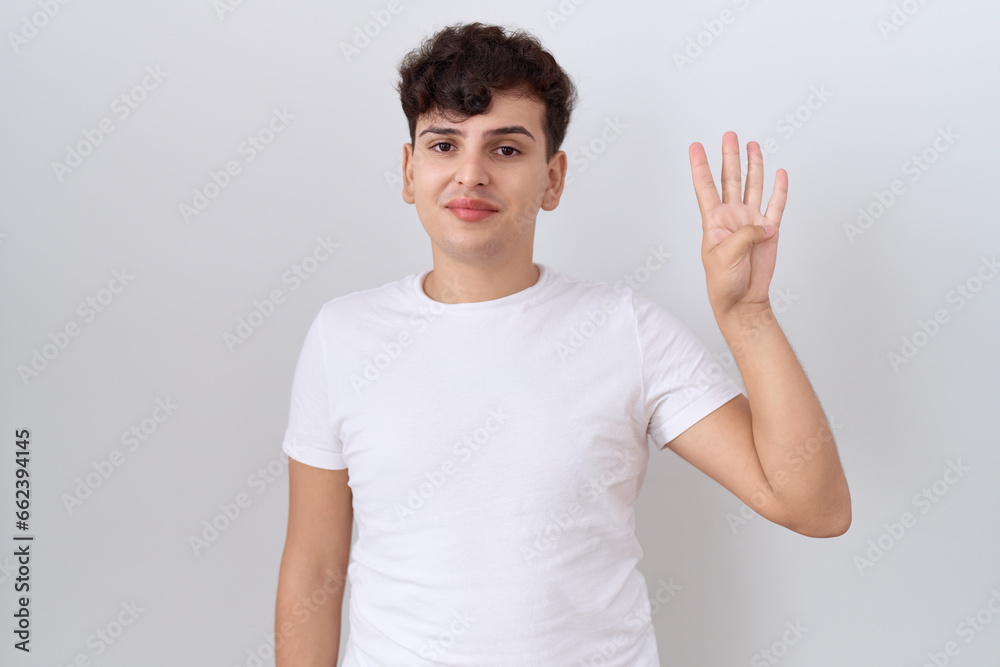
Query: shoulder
{"points": [[593, 292], [367, 302], [619, 296]]}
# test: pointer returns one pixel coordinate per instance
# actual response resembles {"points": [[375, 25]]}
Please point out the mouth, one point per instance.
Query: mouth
{"points": [[471, 210]]}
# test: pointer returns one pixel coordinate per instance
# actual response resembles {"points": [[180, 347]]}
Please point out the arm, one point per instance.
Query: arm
{"points": [[313, 568], [773, 448]]}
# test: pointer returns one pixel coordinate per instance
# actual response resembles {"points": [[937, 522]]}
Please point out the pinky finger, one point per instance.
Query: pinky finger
{"points": [[776, 204]]}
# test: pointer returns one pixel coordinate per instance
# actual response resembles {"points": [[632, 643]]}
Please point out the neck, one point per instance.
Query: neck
{"points": [[455, 282]]}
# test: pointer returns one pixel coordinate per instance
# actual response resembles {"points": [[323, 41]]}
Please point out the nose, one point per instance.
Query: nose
{"points": [[471, 170]]}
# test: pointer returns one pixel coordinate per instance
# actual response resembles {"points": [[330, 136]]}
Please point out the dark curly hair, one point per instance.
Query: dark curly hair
{"points": [[456, 72]]}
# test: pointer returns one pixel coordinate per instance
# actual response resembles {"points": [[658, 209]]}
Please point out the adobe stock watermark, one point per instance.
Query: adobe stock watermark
{"points": [[899, 16], [439, 645], [302, 610], [705, 380], [586, 154], [32, 25], [366, 33], [782, 300], [959, 295], [463, 451], [87, 310], [779, 647], [562, 12], [225, 7], [394, 179], [294, 277], [231, 510], [968, 629], [915, 167], [591, 489], [132, 439], [655, 260], [699, 42], [374, 367], [8, 568], [583, 330], [121, 108], [105, 636], [248, 149], [793, 462], [752, 327], [924, 500], [791, 122], [636, 620]]}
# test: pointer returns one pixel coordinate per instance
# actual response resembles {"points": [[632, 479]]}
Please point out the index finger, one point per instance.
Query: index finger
{"points": [[704, 184]]}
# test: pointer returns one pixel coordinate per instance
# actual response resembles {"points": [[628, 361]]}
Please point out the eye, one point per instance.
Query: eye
{"points": [[434, 148]]}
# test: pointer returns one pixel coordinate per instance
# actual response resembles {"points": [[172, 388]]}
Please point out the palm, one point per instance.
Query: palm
{"points": [[752, 272], [738, 267]]}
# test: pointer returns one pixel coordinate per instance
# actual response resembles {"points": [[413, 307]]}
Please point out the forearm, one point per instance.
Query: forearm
{"points": [[791, 434], [307, 615]]}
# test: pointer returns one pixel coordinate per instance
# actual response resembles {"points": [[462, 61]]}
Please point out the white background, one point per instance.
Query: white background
{"points": [[848, 300]]}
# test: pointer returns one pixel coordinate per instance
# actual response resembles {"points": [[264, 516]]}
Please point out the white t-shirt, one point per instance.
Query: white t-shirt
{"points": [[495, 453]]}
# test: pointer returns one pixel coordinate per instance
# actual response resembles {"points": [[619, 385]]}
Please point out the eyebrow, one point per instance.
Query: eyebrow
{"points": [[496, 132]]}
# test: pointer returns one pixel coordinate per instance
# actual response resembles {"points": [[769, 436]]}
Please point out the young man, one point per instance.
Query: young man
{"points": [[486, 421]]}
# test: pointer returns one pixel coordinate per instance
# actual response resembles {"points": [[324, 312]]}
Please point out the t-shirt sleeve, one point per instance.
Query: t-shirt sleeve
{"points": [[682, 382], [310, 436]]}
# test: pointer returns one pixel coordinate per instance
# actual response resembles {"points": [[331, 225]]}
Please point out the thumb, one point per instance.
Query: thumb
{"points": [[739, 242]]}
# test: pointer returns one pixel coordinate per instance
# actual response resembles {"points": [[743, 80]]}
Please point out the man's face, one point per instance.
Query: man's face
{"points": [[497, 157]]}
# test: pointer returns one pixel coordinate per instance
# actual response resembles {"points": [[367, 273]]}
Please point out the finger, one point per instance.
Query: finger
{"points": [[776, 204], [704, 184], [730, 168], [754, 191], [738, 244]]}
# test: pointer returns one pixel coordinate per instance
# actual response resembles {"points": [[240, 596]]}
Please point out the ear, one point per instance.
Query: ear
{"points": [[408, 174], [556, 181]]}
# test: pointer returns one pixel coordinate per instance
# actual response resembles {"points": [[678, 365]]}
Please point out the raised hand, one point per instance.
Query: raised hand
{"points": [[739, 245]]}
